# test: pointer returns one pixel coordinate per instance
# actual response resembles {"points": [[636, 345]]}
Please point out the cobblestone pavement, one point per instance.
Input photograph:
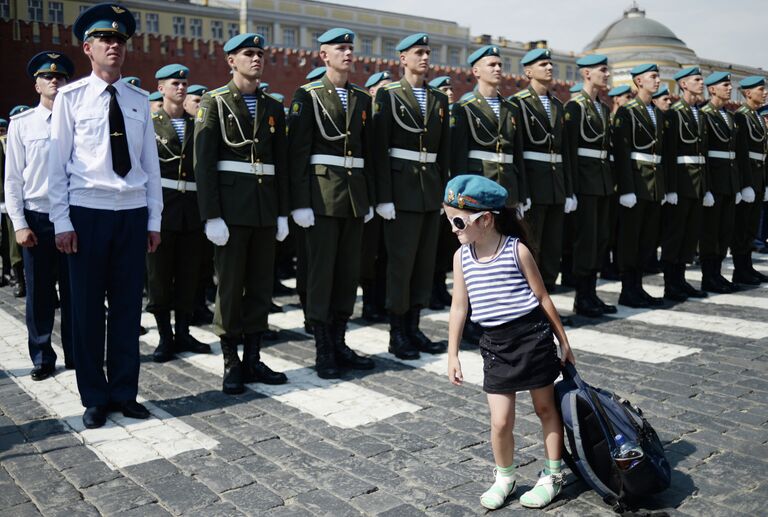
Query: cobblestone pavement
{"points": [[395, 441]]}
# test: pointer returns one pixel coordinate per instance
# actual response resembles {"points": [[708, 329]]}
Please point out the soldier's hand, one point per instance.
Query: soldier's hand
{"points": [[304, 217], [570, 204], [386, 211], [527, 204], [748, 195], [66, 242], [282, 229], [738, 197], [671, 198], [765, 194], [153, 241], [628, 200], [369, 215], [26, 238], [217, 232], [709, 200]]}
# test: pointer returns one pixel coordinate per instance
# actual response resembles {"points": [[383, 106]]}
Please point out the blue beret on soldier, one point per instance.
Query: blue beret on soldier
{"points": [[316, 73], [687, 72], [592, 60], [50, 62], [155, 96], [337, 35], [576, 88], [3, 122], [377, 78], [105, 20], [246, 40], [21, 108], [420, 38], [717, 77], [641, 69], [619, 90], [197, 89], [534, 55], [473, 192], [753, 81], [477, 55], [173, 71], [135, 81], [439, 82], [662, 91]]}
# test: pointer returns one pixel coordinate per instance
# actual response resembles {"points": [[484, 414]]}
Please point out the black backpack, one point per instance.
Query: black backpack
{"points": [[592, 418]]}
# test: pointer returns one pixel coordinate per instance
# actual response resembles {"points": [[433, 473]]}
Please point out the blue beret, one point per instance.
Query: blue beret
{"points": [[21, 108], [279, 96], [753, 81], [686, 72], [762, 110], [477, 55], [155, 96], [50, 62], [440, 81], [3, 122], [173, 71], [337, 35], [576, 88], [316, 73], [619, 90], [132, 80], [245, 40], [197, 89], [662, 91], [104, 20], [717, 77], [263, 86], [474, 192], [641, 69], [592, 60], [377, 78], [420, 38], [534, 55]]}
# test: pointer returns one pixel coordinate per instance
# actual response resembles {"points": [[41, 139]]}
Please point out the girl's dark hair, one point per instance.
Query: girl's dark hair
{"points": [[507, 222]]}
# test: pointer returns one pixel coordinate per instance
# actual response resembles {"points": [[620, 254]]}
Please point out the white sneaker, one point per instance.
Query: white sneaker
{"points": [[544, 491]]}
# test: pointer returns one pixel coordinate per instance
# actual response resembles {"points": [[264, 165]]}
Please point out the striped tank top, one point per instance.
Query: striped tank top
{"points": [[498, 291]]}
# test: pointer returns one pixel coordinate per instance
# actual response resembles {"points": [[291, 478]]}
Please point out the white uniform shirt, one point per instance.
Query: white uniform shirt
{"points": [[26, 164], [80, 164]]}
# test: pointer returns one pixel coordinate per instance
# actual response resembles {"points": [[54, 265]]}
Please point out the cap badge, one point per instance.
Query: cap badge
{"points": [[115, 25], [53, 67], [117, 9], [53, 56], [451, 197]]}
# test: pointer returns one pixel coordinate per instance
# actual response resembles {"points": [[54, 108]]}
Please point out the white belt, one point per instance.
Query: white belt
{"points": [[492, 157], [725, 155], [691, 160], [347, 162], [543, 157], [181, 185], [413, 156], [592, 153], [644, 157], [259, 169], [757, 156]]}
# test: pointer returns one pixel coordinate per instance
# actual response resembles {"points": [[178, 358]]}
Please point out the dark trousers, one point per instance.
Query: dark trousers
{"points": [[545, 223], [411, 241], [372, 251], [747, 220], [173, 272], [680, 230], [717, 227], [638, 234], [333, 267], [245, 269], [109, 262], [43, 265], [300, 236], [591, 234]]}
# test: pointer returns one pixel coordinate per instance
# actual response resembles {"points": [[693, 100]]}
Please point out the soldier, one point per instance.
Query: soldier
{"points": [[15, 259], [242, 184], [412, 159], [6, 270], [155, 102], [332, 192], [443, 83], [619, 96], [195, 94], [685, 149], [26, 185], [662, 99], [587, 122], [750, 158]]}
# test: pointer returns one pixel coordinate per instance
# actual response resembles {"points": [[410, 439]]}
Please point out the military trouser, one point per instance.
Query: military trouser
{"points": [[447, 244], [300, 238], [173, 271], [746, 223], [333, 267], [14, 250], [681, 230], [546, 238], [717, 227], [591, 233], [244, 267], [411, 240], [638, 234], [372, 249]]}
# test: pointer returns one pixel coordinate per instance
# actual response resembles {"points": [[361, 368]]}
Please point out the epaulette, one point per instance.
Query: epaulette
{"points": [[632, 104], [467, 98], [272, 97], [392, 86], [359, 89], [145, 93], [708, 109], [73, 86], [23, 114], [314, 85], [743, 109], [522, 94], [678, 106], [155, 114], [218, 91]]}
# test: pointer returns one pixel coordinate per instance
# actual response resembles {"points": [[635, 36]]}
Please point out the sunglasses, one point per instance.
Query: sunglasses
{"points": [[461, 223]]}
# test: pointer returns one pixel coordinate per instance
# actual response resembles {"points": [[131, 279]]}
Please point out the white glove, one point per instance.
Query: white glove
{"points": [[748, 195], [282, 229], [709, 200], [217, 232], [765, 194], [671, 198], [386, 211], [304, 217], [569, 204], [738, 197], [520, 211], [527, 204], [628, 200]]}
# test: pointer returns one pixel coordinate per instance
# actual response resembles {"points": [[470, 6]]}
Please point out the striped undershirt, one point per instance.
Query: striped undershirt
{"points": [[547, 106], [599, 108], [342, 92], [498, 291], [179, 124], [651, 113], [421, 96], [250, 101], [495, 105], [724, 114], [695, 111]]}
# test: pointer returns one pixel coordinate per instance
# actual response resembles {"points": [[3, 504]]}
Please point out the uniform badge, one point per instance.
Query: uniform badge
{"points": [[53, 56], [567, 116], [376, 107], [201, 114], [271, 122], [53, 67], [117, 9], [115, 25], [451, 197], [461, 201], [364, 116], [441, 113], [296, 108]]}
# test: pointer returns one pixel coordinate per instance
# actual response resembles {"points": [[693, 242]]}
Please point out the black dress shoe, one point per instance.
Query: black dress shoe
{"points": [[130, 409], [260, 372], [95, 417], [40, 373]]}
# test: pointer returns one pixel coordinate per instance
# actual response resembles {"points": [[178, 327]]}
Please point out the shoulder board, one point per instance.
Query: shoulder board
{"points": [[267, 94], [632, 104], [393, 86], [708, 109], [678, 106], [218, 91], [359, 89], [23, 114], [145, 93], [522, 94], [155, 114], [74, 86], [743, 109], [578, 97], [314, 85], [467, 98]]}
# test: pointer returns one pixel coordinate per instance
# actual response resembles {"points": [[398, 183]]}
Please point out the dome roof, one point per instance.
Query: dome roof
{"points": [[634, 29]]}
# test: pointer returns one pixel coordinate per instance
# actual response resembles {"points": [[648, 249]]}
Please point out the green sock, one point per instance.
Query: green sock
{"points": [[552, 466], [546, 488], [503, 485], [506, 471]]}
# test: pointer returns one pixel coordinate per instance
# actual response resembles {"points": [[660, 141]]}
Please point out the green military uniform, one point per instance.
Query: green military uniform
{"points": [[14, 250]]}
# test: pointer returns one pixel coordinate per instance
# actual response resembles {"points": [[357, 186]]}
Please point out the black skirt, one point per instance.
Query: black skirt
{"points": [[520, 355]]}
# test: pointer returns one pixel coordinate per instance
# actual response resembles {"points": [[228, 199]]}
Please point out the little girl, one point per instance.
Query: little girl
{"points": [[494, 271]]}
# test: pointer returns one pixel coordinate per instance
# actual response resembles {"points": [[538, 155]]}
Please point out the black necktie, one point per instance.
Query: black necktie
{"points": [[121, 158]]}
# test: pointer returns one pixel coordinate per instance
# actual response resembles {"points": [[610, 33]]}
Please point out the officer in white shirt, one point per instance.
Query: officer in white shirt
{"points": [[26, 199], [106, 203]]}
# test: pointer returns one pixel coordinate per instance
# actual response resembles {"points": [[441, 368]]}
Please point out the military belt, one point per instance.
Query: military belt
{"points": [[757, 156], [543, 157], [691, 160], [645, 157], [413, 156], [347, 162], [180, 185], [492, 157], [723, 155], [259, 169], [592, 153]]}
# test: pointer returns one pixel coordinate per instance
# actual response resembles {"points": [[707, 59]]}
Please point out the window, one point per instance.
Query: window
{"points": [[35, 10], [55, 12], [233, 29], [388, 48], [5, 8], [266, 31], [136, 16], [453, 56], [196, 27], [366, 46], [508, 66], [152, 22], [569, 73], [179, 26], [289, 37], [217, 30], [555, 71]]}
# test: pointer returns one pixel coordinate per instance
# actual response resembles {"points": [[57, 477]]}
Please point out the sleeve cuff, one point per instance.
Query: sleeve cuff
{"points": [[154, 225], [62, 226], [19, 224]]}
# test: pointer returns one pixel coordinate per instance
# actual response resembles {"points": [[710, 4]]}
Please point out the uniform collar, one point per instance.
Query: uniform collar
{"points": [[99, 85]]}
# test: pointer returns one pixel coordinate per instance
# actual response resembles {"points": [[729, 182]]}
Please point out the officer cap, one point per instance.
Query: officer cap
{"points": [[377, 78], [197, 89], [337, 35], [753, 81], [687, 72], [3, 122], [173, 71], [278, 96], [717, 77], [474, 192], [316, 73], [477, 55], [534, 55], [245, 40], [576, 88], [592, 60], [105, 19], [420, 38], [641, 69], [135, 81], [441, 81], [49, 62], [263, 86], [619, 90], [662, 91], [155, 96]]}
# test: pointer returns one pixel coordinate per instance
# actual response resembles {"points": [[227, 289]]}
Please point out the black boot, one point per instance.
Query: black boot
{"points": [[629, 294], [672, 288], [165, 349], [757, 274], [652, 300], [710, 281], [325, 359], [717, 270], [399, 343], [254, 370], [371, 312], [21, 283], [741, 272], [435, 302], [691, 291], [583, 304], [417, 337], [605, 307], [232, 383], [184, 342], [345, 356]]}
